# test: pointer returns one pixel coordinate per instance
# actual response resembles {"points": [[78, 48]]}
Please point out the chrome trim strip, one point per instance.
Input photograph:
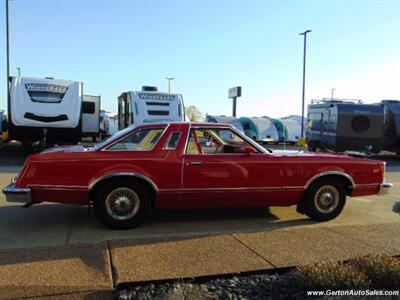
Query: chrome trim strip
{"points": [[274, 188], [58, 187], [148, 180], [367, 185], [232, 189], [330, 173], [293, 187]]}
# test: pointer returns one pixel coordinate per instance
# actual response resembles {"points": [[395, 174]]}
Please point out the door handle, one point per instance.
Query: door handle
{"points": [[196, 163]]}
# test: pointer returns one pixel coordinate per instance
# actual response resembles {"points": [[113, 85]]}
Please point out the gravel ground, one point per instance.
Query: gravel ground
{"points": [[264, 286]]}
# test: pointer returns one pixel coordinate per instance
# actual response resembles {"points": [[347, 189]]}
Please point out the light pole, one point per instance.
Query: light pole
{"points": [[19, 71], [304, 79], [169, 83], [8, 57]]}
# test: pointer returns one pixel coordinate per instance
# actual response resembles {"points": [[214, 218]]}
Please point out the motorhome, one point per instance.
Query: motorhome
{"points": [[226, 120], [91, 116], [344, 125], [45, 109], [149, 106], [391, 135], [260, 129]]}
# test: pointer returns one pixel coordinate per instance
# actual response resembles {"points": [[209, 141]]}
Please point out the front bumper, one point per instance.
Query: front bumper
{"points": [[17, 195], [384, 188]]}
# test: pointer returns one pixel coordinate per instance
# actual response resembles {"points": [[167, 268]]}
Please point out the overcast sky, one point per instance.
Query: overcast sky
{"points": [[209, 46]]}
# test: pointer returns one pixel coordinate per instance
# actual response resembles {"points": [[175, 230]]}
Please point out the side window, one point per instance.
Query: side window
{"points": [[172, 141], [142, 140], [88, 107], [216, 141]]}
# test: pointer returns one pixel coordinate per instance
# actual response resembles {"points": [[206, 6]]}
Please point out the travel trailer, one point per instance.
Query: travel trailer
{"points": [[391, 134], [225, 120], [91, 116], [45, 110], [260, 129], [293, 130], [280, 127], [342, 125], [149, 106]]}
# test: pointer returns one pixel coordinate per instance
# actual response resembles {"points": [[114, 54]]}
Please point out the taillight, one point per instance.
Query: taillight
{"points": [[383, 169]]}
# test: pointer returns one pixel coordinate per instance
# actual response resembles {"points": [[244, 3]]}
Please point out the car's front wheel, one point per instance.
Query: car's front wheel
{"points": [[324, 199], [121, 204]]}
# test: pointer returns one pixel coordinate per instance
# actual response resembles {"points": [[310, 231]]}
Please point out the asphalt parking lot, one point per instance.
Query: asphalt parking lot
{"points": [[57, 225]]}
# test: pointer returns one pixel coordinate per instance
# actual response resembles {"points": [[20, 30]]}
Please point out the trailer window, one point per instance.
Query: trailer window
{"points": [[158, 112], [89, 108], [142, 140]]}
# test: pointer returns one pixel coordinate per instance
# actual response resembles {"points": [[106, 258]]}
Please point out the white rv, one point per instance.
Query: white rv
{"points": [[112, 123], [45, 109], [148, 106], [91, 116]]}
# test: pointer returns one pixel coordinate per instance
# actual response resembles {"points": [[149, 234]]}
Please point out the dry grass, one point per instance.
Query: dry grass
{"points": [[382, 269], [331, 275]]}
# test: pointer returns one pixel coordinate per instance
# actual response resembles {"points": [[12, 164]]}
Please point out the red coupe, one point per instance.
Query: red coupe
{"points": [[191, 165]]}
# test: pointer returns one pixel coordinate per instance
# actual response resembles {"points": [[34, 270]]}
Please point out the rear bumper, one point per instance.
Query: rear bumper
{"points": [[17, 195], [384, 188]]}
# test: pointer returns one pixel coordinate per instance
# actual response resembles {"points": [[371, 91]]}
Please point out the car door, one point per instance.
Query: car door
{"points": [[215, 177]]}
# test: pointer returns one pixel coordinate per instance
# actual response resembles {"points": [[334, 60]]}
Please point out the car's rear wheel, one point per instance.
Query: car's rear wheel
{"points": [[324, 199], [121, 204]]}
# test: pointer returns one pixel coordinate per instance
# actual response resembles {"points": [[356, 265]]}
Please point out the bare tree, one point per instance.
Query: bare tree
{"points": [[193, 114]]}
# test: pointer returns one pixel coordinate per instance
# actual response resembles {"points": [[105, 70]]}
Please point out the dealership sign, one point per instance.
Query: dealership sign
{"points": [[235, 92]]}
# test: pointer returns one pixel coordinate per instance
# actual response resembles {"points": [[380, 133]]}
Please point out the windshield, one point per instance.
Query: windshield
{"points": [[114, 137]]}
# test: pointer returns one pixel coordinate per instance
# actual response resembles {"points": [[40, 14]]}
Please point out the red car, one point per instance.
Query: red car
{"points": [[191, 165]]}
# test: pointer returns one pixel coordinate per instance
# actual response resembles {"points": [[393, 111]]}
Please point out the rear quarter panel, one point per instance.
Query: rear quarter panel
{"points": [[300, 170]]}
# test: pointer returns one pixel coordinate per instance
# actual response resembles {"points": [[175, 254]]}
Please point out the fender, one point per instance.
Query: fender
{"points": [[327, 173], [119, 174]]}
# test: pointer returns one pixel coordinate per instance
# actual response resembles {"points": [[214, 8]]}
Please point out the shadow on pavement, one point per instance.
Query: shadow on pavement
{"points": [[12, 155], [52, 226]]}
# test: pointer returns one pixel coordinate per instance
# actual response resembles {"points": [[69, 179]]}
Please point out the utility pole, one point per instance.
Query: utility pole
{"points": [[333, 90], [169, 83], [8, 57], [304, 79]]}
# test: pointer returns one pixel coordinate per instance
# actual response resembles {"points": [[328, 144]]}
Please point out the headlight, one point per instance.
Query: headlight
{"points": [[14, 179]]}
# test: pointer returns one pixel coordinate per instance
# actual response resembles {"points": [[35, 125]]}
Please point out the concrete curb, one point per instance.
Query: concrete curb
{"points": [[94, 271]]}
